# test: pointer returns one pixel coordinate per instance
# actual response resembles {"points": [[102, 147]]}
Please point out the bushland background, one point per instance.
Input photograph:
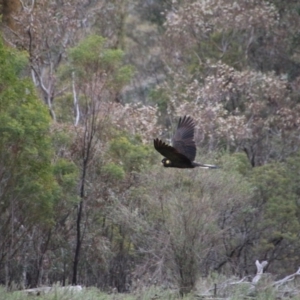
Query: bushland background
{"points": [[85, 86]]}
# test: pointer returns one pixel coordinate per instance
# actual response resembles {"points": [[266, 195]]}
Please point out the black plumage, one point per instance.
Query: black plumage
{"points": [[183, 150]]}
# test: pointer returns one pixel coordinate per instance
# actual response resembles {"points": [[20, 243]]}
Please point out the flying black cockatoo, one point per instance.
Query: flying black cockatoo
{"points": [[183, 151]]}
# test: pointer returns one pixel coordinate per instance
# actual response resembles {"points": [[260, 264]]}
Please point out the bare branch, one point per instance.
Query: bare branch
{"points": [[260, 268]]}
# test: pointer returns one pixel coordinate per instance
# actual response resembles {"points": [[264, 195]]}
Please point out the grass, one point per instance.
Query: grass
{"points": [[147, 293], [92, 294]]}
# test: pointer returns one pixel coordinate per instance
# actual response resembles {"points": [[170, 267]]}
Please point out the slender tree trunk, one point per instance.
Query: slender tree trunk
{"points": [[87, 150], [75, 99], [78, 226]]}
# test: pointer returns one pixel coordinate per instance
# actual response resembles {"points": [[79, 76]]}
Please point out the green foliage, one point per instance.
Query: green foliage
{"points": [[64, 107], [293, 172], [92, 56], [209, 51], [88, 51], [236, 162], [131, 154], [25, 146], [122, 76], [159, 97], [19, 60], [12, 62], [111, 57], [66, 173], [62, 138], [113, 171], [235, 53], [274, 189], [152, 11]]}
